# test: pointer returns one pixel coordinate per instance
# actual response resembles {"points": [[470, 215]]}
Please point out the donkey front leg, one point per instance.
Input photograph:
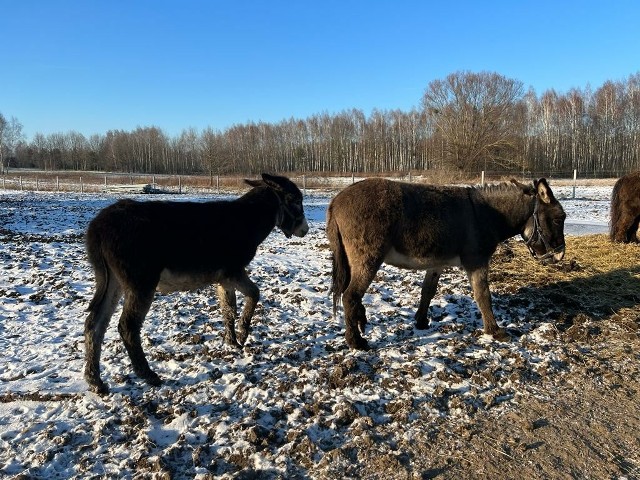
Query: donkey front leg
{"points": [[429, 286], [227, 297], [479, 278], [135, 308]]}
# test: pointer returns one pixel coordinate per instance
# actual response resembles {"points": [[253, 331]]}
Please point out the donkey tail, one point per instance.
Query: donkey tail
{"points": [[340, 273]]}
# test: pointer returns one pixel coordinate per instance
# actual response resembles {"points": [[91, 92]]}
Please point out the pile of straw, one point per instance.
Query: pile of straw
{"points": [[597, 278]]}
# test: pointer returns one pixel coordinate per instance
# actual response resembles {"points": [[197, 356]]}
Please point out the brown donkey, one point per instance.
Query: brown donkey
{"points": [[428, 228], [138, 247], [625, 209]]}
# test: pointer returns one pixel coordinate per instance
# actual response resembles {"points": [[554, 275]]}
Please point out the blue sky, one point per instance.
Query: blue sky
{"points": [[93, 66]]}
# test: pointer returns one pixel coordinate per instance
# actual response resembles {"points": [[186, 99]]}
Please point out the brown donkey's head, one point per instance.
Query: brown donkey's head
{"points": [[544, 231]]}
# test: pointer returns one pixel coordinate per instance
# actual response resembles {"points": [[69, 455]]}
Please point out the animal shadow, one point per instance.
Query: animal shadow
{"points": [[596, 298]]}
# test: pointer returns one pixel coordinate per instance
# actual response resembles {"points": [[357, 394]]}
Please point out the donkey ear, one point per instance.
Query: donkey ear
{"points": [[254, 183], [544, 191], [272, 181]]}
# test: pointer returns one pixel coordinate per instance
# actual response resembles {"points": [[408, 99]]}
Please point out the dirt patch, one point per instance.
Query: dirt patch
{"points": [[581, 420], [585, 428]]}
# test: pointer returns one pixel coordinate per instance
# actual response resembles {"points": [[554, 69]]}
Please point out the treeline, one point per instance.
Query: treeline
{"points": [[466, 122]]}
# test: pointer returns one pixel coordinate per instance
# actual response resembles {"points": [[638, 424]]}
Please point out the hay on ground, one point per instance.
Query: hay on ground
{"points": [[596, 280]]}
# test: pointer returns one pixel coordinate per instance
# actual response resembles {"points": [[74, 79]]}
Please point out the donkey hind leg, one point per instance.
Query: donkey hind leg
{"points": [[227, 298], [623, 229], [429, 286], [136, 306], [101, 308], [355, 317], [633, 233], [251, 297], [479, 278]]}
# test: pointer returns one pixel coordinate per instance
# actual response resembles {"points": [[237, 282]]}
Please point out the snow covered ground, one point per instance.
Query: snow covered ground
{"points": [[277, 409]]}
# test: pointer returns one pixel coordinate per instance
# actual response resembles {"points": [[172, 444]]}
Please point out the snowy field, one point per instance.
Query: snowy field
{"points": [[283, 406]]}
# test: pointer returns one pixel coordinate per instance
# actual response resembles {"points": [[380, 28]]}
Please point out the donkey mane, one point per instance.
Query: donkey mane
{"points": [[503, 188], [512, 200]]}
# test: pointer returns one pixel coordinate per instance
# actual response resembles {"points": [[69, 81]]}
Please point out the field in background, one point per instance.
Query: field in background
{"points": [[66, 181]]}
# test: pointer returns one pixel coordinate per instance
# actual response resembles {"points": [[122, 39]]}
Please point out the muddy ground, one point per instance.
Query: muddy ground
{"points": [[559, 399]]}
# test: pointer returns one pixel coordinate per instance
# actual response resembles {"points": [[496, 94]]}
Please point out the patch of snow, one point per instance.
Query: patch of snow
{"points": [[294, 392]]}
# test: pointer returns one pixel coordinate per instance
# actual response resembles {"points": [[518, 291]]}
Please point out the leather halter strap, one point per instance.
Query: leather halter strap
{"points": [[538, 236]]}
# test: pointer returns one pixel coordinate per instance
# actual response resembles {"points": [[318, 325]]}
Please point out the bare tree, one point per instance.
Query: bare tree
{"points": [[10, 135], [209, 145], [609, 110], [94, 147], [77, 151], [474, 113], [468, 121], [632, 121]]}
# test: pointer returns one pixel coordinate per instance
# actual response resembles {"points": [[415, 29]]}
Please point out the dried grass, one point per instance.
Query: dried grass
{"points": [[597, 279]]}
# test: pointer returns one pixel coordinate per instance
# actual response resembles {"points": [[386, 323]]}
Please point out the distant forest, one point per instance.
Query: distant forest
{"points": [[467, 122]]}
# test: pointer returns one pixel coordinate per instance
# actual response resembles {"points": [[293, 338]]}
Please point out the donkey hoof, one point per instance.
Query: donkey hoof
{"points": [[148, 376], [232, 342], [500, 334], [95, 384], [242, 337], [99, 387], [153, 379], [359, 344]]}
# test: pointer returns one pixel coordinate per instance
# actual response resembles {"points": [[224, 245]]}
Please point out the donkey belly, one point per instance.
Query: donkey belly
{"points": [[171, 281], [402, 260]]}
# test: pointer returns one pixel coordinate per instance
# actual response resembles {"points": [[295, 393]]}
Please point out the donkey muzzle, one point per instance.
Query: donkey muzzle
{"points": [[302, 228]]}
